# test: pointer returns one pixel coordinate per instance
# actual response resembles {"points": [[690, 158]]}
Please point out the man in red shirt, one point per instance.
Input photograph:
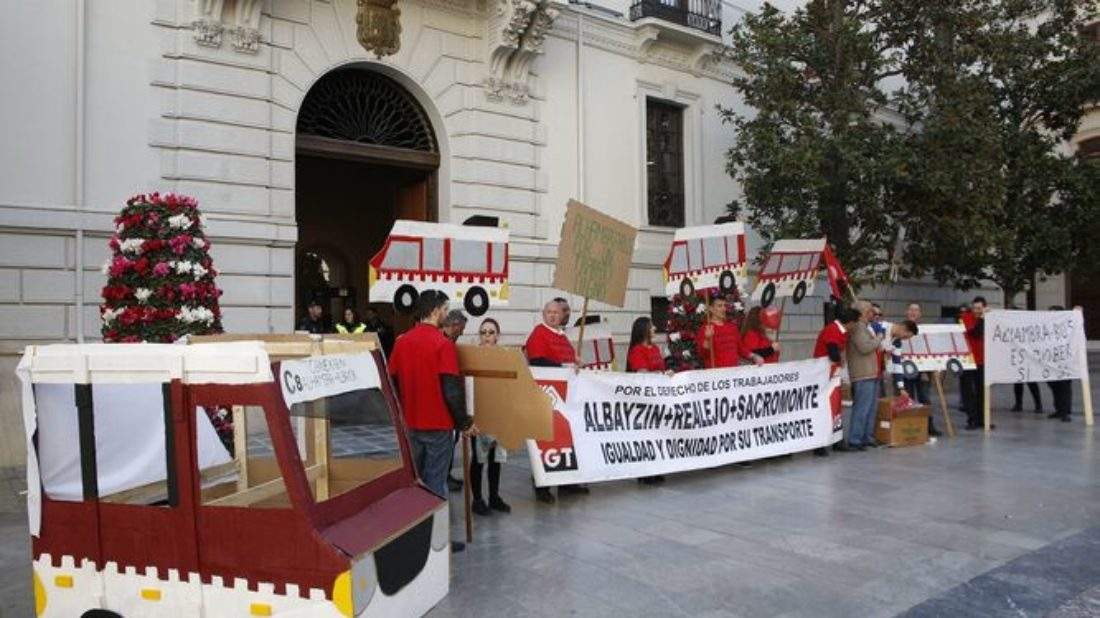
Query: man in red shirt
{"points": [[424, 368], [719, 341], [831, 342], [972, 381], [547, 345]]}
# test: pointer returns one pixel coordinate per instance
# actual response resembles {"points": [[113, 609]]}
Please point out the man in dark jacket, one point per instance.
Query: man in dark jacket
{"points": [[315, 322]]}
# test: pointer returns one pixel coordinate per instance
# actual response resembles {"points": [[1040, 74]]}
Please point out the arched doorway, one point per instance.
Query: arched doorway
{"points": [[365, 155]]}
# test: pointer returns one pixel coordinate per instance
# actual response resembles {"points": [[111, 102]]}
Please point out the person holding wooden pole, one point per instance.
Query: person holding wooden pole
{"points": [[548, 346], [719, 340], [424, 369]]}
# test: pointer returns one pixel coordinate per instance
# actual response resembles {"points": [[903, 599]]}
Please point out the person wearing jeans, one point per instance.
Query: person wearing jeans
{"points": [[424, 370], [863, 372]]}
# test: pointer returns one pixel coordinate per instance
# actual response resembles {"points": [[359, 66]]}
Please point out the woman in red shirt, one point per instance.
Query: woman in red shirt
{"points": [[643, 357], [756, 338]]}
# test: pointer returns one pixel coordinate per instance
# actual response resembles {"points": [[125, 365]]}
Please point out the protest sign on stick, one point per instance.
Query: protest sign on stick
{"points": [[594, 257], [1035, 346]]}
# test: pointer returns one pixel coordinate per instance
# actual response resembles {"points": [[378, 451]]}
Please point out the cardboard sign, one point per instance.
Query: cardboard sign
{"points": [[317, 377], [594, 255], [1034, 346], [508, 405]]}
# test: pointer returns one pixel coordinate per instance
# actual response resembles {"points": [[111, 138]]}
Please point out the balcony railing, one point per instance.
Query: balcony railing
{"points": [[705, 15]]}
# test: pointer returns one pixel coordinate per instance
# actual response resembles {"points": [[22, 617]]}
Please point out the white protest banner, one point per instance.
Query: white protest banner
{"points": [[1034, 346], [624, 425], [316, 377]]}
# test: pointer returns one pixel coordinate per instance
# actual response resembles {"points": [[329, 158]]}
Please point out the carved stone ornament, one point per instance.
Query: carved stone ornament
{"points": [[209, 22], [379, 24], [516, 34]]}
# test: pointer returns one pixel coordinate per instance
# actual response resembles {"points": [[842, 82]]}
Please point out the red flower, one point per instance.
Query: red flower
{"points": [[141, 266], [130, 316], [131, 339]]}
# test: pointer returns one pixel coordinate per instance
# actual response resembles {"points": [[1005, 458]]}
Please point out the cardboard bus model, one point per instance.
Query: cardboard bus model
{"points": [[937, 347], [789, 270], [597, 348], [138, 509], [705, 257], [469, 263]]}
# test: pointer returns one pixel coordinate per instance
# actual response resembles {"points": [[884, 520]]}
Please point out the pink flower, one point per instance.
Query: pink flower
{"points": [[180, 243], [187, 290], [162, 269], [119, 266]]}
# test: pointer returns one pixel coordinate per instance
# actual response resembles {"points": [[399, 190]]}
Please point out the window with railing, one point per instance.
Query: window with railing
{"points": [[664, 163], [704, 15]]}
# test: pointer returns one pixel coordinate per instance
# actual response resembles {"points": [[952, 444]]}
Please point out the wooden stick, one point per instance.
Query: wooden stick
{"points": [[937, 379], [987, 405], [1086, 397], [580, 333], [466, 493]]}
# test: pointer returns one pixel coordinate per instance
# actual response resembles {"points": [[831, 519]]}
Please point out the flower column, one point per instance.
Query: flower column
{"points": [[161, 278]]}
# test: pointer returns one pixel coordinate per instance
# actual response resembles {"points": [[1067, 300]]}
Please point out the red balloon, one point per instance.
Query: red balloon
{"points": [[770, 317]]}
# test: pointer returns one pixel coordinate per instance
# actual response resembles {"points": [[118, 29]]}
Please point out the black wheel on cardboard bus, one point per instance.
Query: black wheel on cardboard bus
{"points": [[955, 366], [799, 292], [404, 300], [768, 295], [726, 282], [909, 369], [476, 301], [100, 613], [687, 288]]}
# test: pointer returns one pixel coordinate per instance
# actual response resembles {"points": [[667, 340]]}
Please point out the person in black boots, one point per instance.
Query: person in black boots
{"points": [[1062, 391], [486, 449], [972, 381], [1036, 397]]}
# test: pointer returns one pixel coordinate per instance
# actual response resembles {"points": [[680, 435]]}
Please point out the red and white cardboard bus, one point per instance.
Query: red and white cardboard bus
{"points": [[469, 263], [597, 347], [790, 269], [938, 347], [706, 257], [137, 508]]}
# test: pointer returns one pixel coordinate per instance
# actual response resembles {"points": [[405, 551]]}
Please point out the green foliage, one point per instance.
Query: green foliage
{"points": [[945, 117]]}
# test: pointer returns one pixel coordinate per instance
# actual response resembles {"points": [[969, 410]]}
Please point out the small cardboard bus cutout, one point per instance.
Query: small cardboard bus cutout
{"points": [[789, 270], [937, 347], [597, 348], [468, 263], [138, 509], [706, 257]]}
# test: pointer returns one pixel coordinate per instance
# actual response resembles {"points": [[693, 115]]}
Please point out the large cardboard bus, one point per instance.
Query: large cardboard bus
{"points": [[706, 257], [790, 269], [311, 507], [469, 263]]}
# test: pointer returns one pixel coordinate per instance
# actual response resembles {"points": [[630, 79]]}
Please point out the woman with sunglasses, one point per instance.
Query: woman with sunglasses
{"points": [[644, 356], [485, 448]]}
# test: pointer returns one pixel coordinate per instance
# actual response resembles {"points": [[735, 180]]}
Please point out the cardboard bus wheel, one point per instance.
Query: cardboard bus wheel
{"points": [[726, 282], [768, 295], [476, 301], [100, 613], [799, 292], [955, 366], [404, 300], [909, 369], [686, 288]]}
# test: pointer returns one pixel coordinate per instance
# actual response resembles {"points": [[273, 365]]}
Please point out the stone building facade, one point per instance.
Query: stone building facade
{"points": [[512, 107]]}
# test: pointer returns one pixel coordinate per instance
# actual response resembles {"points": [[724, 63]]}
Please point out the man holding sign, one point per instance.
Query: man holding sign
{"points": [[719, 341]]}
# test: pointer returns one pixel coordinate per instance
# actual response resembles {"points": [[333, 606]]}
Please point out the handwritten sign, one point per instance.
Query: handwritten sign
{"points": [[594, 255], [1034, 346], [316, 377]]}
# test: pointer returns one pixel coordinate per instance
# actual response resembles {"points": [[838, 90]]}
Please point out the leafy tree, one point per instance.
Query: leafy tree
{"points": [[965, 150], [812, 155], [993, 88]]}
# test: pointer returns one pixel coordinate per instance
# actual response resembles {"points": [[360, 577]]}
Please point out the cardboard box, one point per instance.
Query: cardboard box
{"points": [[908, 427]]}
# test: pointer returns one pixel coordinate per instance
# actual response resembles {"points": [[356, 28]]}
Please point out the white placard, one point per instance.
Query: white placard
{"points": [[624, 425], [317, 377], [1034, 346]]}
